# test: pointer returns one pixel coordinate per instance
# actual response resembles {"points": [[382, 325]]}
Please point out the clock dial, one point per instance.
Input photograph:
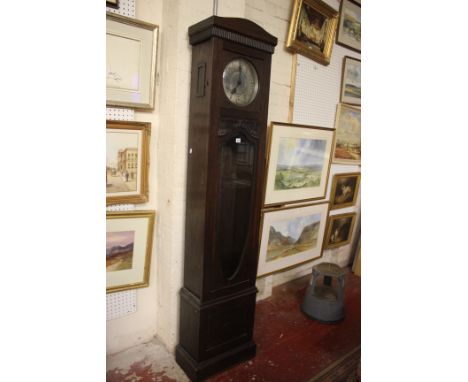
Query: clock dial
{"points": [[240, 82]]}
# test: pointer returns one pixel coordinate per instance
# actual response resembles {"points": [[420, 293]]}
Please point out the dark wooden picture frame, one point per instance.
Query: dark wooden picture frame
{"points": [[348, 33], [345, 189], [113, 4], [339, 230]]}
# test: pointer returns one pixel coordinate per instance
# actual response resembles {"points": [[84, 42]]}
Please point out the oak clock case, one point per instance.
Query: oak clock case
{"points": [[230, 81]]}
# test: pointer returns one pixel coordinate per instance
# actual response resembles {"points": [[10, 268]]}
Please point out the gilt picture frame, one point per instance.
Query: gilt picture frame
{"points": [[339, 230], [291, 236], [344, 190], [351, 81], [127, 161], [299, 159], [347, 149], [129, 241], [131, 49], [312, 30], [349, 26]]}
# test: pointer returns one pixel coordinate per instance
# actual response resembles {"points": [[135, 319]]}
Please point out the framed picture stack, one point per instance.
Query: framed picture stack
{"points": [[131, 51], [295, 212]]}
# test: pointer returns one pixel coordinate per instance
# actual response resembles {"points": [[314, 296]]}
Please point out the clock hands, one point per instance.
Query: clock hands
{"points": [[239, 81]]}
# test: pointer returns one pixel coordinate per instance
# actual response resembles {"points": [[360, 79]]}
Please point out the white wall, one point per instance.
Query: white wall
{"points": [[158, 305]]}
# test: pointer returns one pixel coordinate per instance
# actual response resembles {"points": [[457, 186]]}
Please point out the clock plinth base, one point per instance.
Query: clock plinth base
{"points": [[197, 371], [215, 334]]}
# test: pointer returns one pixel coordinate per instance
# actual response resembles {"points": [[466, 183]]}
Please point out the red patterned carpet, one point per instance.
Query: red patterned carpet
{"points": [[294, 348], [290, 346]]}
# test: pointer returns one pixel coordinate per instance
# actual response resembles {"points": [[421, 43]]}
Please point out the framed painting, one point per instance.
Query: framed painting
{"points": [[291, 236], [312, 30], [345, 189], [112, 3], [127, 161], [348, 135], [349, 26], [299, 158], [351, 81], [129, 240], [339, 230], [131, 47]]}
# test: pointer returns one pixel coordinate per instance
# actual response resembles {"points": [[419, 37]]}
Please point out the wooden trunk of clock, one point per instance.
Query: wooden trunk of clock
{"points": [[225, 176]]}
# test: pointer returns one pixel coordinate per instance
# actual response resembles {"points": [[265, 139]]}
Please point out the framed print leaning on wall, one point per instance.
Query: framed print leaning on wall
{"points": [[312, 30], [351, 81], [129, 242], [344, 190], [127, 161], [349, 26], [299, 158], [339, 230], [291, 236], [131, 47], [348, 135]]}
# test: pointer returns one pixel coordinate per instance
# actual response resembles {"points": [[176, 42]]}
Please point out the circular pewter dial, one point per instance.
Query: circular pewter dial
{"points": [[240, 82]]}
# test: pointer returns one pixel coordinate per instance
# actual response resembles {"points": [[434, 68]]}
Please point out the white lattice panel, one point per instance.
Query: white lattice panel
{"points": [[120, 114], [318, 88], [120, 304], [126, 8]]}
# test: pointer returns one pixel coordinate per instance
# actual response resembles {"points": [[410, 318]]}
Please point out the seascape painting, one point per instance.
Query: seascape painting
{"points": [[289, 237], [349, 28], [119, 250], [300, 163], [352, 25], [351, 86], [121, 161], [348, 135]]}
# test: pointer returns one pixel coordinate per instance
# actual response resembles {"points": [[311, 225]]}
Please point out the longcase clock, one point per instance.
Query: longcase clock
{"points": [[230, 82]]}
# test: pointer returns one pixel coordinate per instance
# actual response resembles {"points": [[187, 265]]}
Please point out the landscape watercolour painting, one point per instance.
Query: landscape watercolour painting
{"points": [[299, 160], [300, 163], [119, 250], [348, 135], [289, 237]]}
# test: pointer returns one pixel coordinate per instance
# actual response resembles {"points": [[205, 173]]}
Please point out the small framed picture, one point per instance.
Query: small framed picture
{"points": [[127, 161], [351, 81], [349, 26], [312, 30], [348, 135], [339, 230], [112, 4], [129, 238], [299, 158], [291, 236], [131, 47], [344, 191]]}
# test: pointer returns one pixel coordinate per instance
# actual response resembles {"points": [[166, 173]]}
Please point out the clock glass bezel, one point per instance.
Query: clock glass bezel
{"points": [[255, 78]]}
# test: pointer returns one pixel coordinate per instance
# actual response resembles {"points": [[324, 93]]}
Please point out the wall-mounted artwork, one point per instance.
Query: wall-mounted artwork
{"points": [[298, 163], [339, 230], [127, 162], [129, 237], [348, 135], [344, 191], [291, 236], [131, 47], [351, 81], [112, 3], [349, 26], [312, 30]]}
